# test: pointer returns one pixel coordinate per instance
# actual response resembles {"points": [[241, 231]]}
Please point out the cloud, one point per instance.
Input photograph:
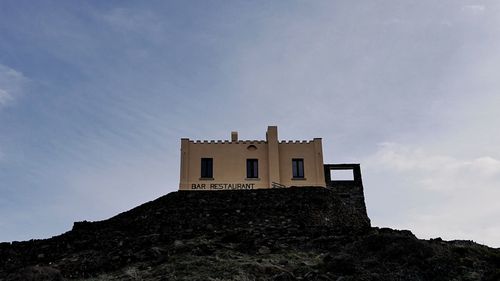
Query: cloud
{"points": [[448, 196], [5, 97], [437, 172], [140, 22], [474, 9], [132, 80], [12, 84]]}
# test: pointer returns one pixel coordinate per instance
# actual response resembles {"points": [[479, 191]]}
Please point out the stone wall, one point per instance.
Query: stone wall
{"points": [[349, 191], [184, 212], [247, 216]]}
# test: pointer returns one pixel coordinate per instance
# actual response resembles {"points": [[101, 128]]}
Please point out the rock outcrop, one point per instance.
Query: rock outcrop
{"points": [[274, 234]]}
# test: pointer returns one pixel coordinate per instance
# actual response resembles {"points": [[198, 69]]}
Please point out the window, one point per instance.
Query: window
{"points": [[207, 167], [252, 168], [298, 168]]}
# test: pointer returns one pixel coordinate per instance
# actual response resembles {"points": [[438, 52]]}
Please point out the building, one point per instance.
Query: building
{"points": [[253, 164], [245, 164]]}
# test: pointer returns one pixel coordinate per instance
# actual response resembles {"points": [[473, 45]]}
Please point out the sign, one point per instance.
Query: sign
{"points": [[222, 186]]}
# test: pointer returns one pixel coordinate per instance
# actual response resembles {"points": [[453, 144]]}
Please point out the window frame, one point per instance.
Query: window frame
{"points": [[252, 168], [207, 168], [298, 171]]}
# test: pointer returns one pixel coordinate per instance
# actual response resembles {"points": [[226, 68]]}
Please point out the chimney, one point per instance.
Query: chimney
{"points": [[234, 136], [272, 134]]}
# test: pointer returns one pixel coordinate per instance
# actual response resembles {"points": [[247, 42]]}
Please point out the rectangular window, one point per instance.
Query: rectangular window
{"points": [[207, 167], [252, 168], [298, 168]]}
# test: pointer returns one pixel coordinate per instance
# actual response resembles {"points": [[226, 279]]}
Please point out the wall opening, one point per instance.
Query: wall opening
{"points": [[342, 175]]}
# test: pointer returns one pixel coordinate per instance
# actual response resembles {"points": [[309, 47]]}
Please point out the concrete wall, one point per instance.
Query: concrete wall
{"points": [[312, 154], [229, 163]]}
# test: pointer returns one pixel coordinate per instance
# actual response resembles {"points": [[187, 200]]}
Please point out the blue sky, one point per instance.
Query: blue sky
{"points": [[95, 96]]}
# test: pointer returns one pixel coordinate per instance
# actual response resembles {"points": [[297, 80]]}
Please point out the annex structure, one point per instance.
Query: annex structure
{"points": [[254, 164]]}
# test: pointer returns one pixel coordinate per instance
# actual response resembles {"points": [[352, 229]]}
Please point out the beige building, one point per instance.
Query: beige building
{"points": [[251, 164]]}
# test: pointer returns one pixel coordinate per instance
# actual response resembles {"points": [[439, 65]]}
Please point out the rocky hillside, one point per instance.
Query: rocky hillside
{"points": [[275, 234]]}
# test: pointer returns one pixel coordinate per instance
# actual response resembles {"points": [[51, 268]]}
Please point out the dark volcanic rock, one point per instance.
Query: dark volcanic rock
{"points": [[275, 234], [36, 273]]}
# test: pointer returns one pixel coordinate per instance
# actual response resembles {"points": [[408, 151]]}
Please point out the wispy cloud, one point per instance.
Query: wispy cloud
{"points": [[12, 83], [474, 9], [132, 20], [5, 97]]}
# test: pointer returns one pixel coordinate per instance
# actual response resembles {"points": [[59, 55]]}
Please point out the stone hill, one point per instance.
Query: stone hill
{"points": [[273, 234]]}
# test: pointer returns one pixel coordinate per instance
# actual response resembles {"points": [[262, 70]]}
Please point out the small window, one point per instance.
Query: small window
{"points": [[252, 168], [298, 168], [207, 167]]}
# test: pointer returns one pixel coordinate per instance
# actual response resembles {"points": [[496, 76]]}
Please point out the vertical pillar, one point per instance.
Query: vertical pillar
{"points": [[318, 156], [234, 136], [184, 178], [273, 154], [357, 174]]}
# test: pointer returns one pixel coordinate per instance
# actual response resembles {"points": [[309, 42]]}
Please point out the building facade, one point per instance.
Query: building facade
{"points": [[251, 164]]}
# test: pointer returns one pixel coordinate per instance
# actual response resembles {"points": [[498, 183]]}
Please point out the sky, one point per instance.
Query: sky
{"points": [[95, 96]]}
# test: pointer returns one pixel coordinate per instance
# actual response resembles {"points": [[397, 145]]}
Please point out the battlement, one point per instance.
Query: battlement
{"points": [[248, 141]]}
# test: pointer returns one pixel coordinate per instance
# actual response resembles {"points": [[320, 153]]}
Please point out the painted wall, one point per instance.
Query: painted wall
{"points": [[312, 154], [229, 163]]}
